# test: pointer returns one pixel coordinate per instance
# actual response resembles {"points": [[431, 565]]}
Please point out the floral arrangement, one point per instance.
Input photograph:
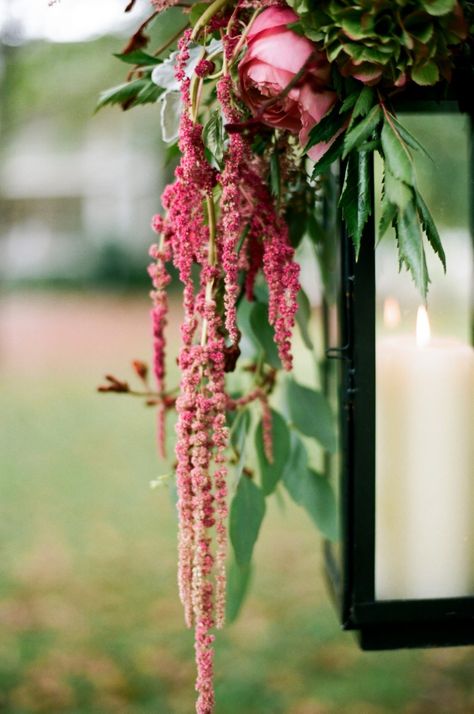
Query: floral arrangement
{"points": [[259, 100]]}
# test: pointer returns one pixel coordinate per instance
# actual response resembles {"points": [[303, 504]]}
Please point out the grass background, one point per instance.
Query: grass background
{"points": [[90, 618]]}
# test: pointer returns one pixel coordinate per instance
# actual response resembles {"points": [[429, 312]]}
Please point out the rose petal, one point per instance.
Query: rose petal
{"points": [[270, 18], [316, 103], [282, 49]]}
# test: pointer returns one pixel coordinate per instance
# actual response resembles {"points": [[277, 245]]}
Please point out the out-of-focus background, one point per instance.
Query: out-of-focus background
{"points": [[89, 613]]}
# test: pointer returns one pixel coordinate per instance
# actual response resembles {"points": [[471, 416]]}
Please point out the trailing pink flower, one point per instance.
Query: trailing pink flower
{"points": [[233, 214], [267, 433], [160, 279]]}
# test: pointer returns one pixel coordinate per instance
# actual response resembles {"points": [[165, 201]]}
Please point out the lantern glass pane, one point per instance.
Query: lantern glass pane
{"points": [[424, 536]]}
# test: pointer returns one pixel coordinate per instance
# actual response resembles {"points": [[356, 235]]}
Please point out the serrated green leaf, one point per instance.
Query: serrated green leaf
{"points": [[356, 199], [363, 104], [430, 229], [409, 139], [396, 154], [362, 130], [389, 213], [349, 102], [149, 94], [311, 414], [271, 472], [396, 191], [264, 334], [121, 93], [303, 317], [331, 155], [238, 581], [410, 248], [326, 128], [246, 516]]}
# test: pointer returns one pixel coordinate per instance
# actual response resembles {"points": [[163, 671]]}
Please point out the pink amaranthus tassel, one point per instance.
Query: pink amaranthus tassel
{"points": [[247, 233]]}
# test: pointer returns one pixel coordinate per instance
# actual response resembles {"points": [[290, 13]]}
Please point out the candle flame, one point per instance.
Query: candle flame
{"points": [[423, 330], [391, 313]]}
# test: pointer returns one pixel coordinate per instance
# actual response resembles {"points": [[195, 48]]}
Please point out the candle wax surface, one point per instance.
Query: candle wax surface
{"points": [[425, 478]]}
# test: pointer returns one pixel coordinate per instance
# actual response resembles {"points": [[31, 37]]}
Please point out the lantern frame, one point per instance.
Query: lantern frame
{"points": [[380, 624]]}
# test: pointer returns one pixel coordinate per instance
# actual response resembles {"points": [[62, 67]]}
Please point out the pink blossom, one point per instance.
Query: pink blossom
{"points": [[275, 55]]}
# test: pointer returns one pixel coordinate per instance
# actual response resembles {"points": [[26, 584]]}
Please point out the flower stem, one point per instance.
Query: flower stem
{"points": [[212, 258], [212, 10], [243, 37]]}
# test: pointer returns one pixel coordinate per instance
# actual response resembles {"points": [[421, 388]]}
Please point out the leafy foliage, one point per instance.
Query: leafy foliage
{"points": [[311, 490], [311, 414], [271, 473], [246, 516], [130, 94]]}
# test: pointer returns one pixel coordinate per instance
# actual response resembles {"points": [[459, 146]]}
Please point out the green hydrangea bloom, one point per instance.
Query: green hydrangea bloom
{"points": [[392, 41]]}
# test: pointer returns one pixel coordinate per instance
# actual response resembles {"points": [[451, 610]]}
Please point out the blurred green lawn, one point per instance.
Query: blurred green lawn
{"points": [[89, 613]]}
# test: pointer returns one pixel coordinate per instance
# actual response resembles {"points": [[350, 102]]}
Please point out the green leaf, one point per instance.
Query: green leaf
{"points": [[139, 58], [122, 93], [355, 200], [296, 470], [425, 74], [275, 175], [197, 10], [439, 7], [311, 490], [246, 516], [326, 128], [296, 217], [363, 105], [238, 581], [362, 130], [349, 102], [213, 137], [271, 472], [331, 155], [238, 437], [430, 229], [149, 94], [389, 213], [410, 247], [264, 334], [409, 139], [396, 154], [396, 191], [320, 503], [303, 317], [311, 414]]}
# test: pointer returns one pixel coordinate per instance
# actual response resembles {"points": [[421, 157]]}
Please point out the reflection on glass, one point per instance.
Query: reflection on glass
{"points": [[425, 393]]}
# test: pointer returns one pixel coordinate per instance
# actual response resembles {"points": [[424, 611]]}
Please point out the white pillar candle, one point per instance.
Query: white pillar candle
{"points": [[425, 476]]}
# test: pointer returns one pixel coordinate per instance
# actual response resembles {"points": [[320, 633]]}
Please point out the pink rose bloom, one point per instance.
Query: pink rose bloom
{"points": [[274, 55]]}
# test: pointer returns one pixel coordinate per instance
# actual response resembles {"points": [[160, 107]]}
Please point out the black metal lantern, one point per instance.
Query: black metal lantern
{"points": [[403, 572]]}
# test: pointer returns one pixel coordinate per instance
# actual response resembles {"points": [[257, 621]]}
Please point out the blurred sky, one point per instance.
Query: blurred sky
{"points": [[65, 20]]}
